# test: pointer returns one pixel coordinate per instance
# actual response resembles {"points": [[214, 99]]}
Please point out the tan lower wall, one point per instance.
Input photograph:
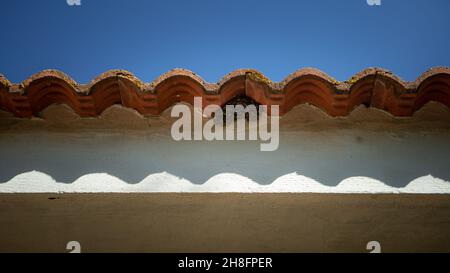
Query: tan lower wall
{"points": [[209, 222]]}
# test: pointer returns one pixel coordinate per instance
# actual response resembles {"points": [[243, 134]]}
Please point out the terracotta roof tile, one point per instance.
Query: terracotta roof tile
{"points": [[373, 87]]}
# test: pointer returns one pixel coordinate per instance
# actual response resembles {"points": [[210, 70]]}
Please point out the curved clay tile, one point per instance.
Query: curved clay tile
{"points": [[49, 74], [177, 72], [177, 88], [4, 83], [373, 87], [433, 85], [312, 89], [116, 74], [45, 91], [309, 71]]}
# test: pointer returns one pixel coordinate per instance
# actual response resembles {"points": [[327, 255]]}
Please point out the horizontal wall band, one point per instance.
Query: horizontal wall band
{"points": [[373, 87]]}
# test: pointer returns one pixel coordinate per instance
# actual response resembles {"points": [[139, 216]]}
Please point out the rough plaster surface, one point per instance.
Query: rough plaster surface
{"points": [[367, 152], [224, 222]]}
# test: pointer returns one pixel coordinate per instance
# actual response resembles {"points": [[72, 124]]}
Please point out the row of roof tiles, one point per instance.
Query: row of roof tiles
{"points": [[372, 87]]}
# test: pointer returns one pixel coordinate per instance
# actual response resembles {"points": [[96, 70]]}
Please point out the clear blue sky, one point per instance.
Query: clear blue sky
{"points": [[214, 37]]}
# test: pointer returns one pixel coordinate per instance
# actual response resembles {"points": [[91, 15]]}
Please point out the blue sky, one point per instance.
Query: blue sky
{"points": [[214, 37]]}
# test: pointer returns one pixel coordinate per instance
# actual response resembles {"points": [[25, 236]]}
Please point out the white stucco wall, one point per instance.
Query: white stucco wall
{"points": [[368, 152]]}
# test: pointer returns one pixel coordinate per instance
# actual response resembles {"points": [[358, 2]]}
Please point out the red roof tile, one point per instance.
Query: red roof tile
{"points": [[373, 87]]}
